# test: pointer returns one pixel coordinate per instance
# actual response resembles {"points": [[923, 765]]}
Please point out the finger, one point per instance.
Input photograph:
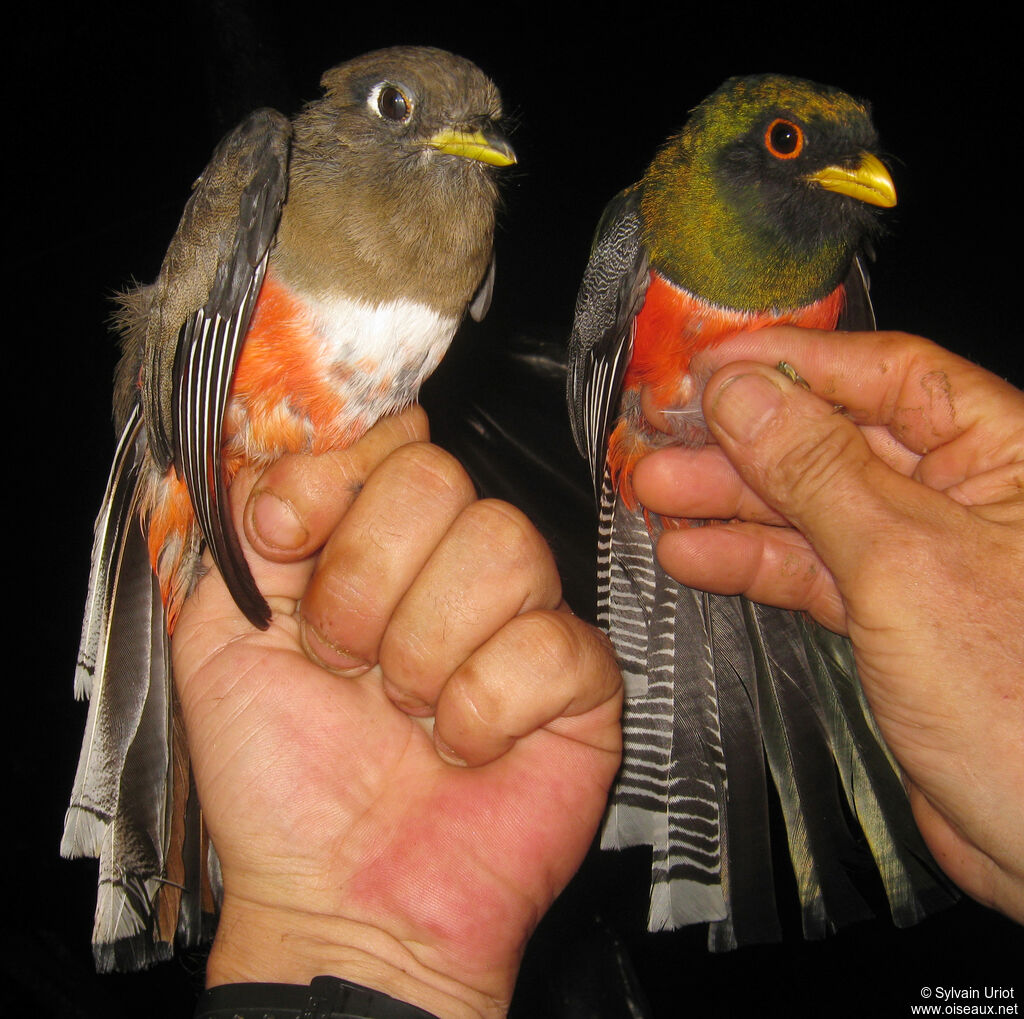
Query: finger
{"points": [[697, 484], [211, 621], [998, 493], [924, 395], [771, 565], [890, 450], [541, 670], [299, 499], [702, 484], [491, 566], [376, 552], [814, 467]]}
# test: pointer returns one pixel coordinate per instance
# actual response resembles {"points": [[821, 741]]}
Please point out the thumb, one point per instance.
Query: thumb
{"points": [[811, 464]]}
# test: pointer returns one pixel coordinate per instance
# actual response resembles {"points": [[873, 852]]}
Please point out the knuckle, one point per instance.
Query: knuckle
{"points": [[410, 662], [556, 640], [428, 472], [475, 698], [562, 641], [508, 532]]}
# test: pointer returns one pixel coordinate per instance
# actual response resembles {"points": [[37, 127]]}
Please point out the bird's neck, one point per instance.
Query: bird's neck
{"points": [[731, 254], [424, 238]]}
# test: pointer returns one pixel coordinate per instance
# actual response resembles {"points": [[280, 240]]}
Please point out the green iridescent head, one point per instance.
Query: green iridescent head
{"points": [[762, 199]]}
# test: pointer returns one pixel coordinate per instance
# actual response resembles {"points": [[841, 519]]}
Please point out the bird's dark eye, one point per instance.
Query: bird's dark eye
{"points": [[392, 103], [784, 139]]}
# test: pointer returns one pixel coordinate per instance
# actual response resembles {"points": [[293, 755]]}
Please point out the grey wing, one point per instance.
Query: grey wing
{"points": [[610, 297], [208, 288]]}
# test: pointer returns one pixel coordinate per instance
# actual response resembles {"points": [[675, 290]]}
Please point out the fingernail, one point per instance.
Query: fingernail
{"points": [[331, 656], [446, 753], [745, 404], [276, 523], [406, 701]]}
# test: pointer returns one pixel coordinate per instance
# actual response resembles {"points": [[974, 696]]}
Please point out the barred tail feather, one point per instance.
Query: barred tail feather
{"points": [[122, 939], [638, 809], [117, 513], [697, 791], [109, 667], [122, 798], [720, 693], [669, 792]]}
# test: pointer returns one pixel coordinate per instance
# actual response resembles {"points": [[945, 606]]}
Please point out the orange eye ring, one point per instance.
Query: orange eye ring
{"points": [[784, 139]]}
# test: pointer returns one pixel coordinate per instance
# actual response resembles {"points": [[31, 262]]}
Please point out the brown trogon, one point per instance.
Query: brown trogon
{"points": [[317, 276]]}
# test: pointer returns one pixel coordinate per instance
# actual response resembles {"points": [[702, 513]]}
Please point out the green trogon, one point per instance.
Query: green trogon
{"points": [[316, 278], [759, 212]]}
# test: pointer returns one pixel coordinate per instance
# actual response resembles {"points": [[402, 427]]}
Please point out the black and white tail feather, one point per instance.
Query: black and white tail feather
{"points": [[723, 694], [133, 804], [121, 802]]}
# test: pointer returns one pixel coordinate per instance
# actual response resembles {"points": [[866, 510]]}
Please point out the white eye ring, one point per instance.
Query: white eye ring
{"points": [[389, 102]]}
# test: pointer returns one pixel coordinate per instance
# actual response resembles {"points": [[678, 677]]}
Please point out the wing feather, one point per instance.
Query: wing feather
{"points": [[248, 176], [610, 297], [857, 315], [210, 347]]}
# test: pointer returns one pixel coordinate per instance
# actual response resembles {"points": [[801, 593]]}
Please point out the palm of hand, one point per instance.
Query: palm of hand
{"points": [[326, 802]]}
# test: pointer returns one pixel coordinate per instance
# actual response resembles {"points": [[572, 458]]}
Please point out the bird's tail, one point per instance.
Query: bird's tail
{"points": [[914, 885], [720, 694], [131, 804]]}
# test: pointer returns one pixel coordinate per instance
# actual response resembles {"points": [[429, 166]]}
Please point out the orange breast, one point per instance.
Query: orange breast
{"points": [[283, 400], [672, 326], [280, 399]]}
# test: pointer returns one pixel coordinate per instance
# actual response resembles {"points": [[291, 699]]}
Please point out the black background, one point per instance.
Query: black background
{"points": [[111, 112]]}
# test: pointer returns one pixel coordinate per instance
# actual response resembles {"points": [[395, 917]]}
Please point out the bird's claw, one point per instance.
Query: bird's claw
{"points": [[792, 374]]}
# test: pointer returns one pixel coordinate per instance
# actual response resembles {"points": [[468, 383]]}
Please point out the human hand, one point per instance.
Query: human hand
{"points": [[348, 845], [900, 523]]}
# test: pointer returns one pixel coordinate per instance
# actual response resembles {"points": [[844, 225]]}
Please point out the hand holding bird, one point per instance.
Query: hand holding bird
{"points": [[319, 272], [349, 846], [906, 519]]}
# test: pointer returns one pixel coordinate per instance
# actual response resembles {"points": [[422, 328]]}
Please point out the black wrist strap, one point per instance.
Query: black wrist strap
{"points": [[324, 998]]}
